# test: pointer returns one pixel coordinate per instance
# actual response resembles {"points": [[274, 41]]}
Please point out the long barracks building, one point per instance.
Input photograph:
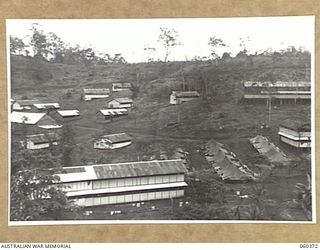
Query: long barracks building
{"points": [[281, 91], [103, 184]]}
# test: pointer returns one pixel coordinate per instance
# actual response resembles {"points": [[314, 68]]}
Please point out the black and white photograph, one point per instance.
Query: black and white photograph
{"points": [[161, 120]]}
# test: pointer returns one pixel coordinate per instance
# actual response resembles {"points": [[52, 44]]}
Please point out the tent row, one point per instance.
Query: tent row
{"points": [[269, 150], [226, 164]]}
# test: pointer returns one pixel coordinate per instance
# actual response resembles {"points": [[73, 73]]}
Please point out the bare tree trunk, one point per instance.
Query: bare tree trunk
{"points": [[167, 54], [183, 82]]}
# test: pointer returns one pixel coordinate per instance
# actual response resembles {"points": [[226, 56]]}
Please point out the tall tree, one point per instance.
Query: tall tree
{"points": [[169, 39], [16, 45], [215, 43], [243, 46], [118, 58], [39, 42], [226, 55], [150, 53], [90, 56], [56, 47]]}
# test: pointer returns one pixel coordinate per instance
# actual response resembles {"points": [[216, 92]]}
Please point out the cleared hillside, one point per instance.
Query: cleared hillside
{"points": [[217, 114], [156, 126]]}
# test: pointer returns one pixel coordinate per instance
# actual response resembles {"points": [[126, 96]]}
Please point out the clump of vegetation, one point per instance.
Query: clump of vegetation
{"points": [[33, 193]]}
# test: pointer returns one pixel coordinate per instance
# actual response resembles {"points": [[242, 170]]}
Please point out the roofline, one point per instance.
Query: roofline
{"points": [[123, 163], [115, 141], [117, 134], [46, 103], [299, 128], [26, 123], [115, 109], [43, 134], [116, 178], [119, 141]]}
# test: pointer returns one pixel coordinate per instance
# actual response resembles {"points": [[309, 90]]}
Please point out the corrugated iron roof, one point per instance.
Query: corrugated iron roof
{"points": [[42, 138], [27, 102], [134, 169], [70, 112], [108, 112], [102, 91], [296, 125], [114, 138], [276, 84], [50, 126], [47, 120], [26, 117], [47, 105], [74, 170], [122, 85], [75, 174], [181, 94], [125, 170]]}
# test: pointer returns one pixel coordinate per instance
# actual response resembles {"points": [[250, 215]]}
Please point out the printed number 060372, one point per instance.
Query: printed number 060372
{"points": [[309, 246]]}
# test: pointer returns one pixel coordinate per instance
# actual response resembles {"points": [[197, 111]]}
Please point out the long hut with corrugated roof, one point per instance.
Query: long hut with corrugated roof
{"points": [[103, 184]]}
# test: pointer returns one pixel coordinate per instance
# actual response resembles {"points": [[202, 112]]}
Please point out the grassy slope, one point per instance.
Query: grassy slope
{"points": [[219, 117]]}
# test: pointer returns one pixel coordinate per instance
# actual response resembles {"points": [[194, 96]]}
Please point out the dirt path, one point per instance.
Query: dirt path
{"points": [[139, 135]]}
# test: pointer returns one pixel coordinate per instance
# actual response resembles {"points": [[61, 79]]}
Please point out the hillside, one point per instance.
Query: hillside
{"points": [[155, 125], [218, 114], [30, 74]]}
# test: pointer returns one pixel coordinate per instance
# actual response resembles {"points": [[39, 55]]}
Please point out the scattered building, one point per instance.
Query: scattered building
{"points": [[12, 101], [34, 105], [281, 91], [15, 105], [226, 164], [26, 117], [295, 133], [19, 105], [90, 94], [103, 184], [178, 97], [121, 102], [47, 122], [109, 114], [47, 106], [67, 114], [269, 150], [113, 141], [42, 120], [41, 141], [116, 87]]}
